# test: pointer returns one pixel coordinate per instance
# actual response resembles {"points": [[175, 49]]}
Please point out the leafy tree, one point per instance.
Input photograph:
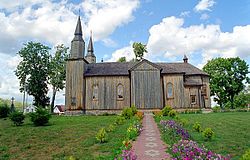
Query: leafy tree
{"points": [[122, 59], [33, 71], [57, 73], [227, 76], [139, 50]]}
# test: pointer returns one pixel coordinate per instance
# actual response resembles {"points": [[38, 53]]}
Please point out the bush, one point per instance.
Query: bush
{"points": [[17, 118], [172, 113], [182, 121], [139, 115], [166, 110], [197, 127], [157, 113], [132, 132], [127, 113], [4, 111], [110, 128], [101, 136], [208, 133], [119, 120], [134, 109], [246, 155], [40, 117]]}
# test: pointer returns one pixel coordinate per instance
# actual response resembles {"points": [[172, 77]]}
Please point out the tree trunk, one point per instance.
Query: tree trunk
{"points": [[53, 100]]}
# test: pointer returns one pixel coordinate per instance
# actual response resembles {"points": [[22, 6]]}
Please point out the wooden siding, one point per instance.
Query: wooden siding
{"points": [[192, 91], [177, 101], [107, 92], [146, 90], [207, 98], [74, 85]]}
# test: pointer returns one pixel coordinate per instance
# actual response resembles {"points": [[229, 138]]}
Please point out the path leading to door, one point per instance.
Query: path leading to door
{"points": [[149, 145]]}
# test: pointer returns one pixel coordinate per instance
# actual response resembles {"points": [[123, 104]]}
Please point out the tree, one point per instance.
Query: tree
{"points": [[33, 71], [227, 76], [57, 73], [139, 50], [122, 59]]}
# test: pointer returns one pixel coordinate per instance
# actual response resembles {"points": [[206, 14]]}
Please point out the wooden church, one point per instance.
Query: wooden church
{"points": [[110, 86]]}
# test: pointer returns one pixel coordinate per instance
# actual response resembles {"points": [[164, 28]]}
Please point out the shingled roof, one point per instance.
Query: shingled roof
{"points": [[122, 68]]}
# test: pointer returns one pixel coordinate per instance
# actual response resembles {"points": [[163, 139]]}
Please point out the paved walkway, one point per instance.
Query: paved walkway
{"points": [[149, 145]]}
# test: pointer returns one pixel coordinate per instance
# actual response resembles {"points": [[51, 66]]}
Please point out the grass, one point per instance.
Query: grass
{"points": [[232, 131], [62, 138]]}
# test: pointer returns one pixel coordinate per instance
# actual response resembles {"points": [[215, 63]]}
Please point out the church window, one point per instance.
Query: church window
{"points": [[119, 92], [73, 101], [169, 90], [204, 90], [95, 92], [193, 99]]}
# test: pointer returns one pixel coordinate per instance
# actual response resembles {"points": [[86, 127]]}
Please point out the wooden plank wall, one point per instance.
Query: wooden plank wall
{"points": [[207, 99], [74, 85], [146, 88], [178, 90], [192, 90], [107, 92]]}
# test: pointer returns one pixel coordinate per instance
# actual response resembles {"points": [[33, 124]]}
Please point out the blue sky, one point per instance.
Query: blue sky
{"points": [[201, 29]]}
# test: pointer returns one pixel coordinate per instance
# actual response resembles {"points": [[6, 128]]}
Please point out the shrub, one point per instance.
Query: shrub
{"points": [[246, 155], [139, 115], [101, 136], [132, 132], [208, 133], [127, 113], [17, 118], [182, 121], [110, 128], [134, 109], [119, 120], [157, 113], [4, 111], [40, 117], [172, 113], [197, 127], [166, 110]]}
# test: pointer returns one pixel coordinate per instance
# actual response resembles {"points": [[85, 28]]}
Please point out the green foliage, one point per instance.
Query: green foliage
{"points": [[110, 128], [166, 110], [127, 113], [119, 120], [216, 109], [33, 71], [197, 127], [208, 133], [246, 155], [4, 110], [57, 71], [134, 109], [139, 50], [17, 118], [122, 59], [132, 132], [101, 136], [172, 113], [40, 117], [241, 100], [227, 76]]}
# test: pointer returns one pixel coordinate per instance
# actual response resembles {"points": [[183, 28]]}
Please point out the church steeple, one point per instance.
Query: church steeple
{"points": [[90, 57], [78, 44]]}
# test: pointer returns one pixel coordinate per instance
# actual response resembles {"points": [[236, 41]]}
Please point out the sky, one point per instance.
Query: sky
{"points": [[201, 29]]}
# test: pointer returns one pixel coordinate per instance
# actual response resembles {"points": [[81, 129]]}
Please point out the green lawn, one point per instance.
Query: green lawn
{"points": [[232, 131], [64, 137]]}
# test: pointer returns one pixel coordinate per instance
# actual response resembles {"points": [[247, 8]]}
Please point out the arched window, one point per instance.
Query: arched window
{"points": [[95, 92], [170, 90], [120, 92]]}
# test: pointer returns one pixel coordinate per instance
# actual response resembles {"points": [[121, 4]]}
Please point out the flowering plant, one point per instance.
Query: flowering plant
{"points": [[189, 150]]}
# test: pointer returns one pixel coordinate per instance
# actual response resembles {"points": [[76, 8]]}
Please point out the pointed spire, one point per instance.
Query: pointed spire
{"points": [[90, 45], [185, 59], [78, 31]]}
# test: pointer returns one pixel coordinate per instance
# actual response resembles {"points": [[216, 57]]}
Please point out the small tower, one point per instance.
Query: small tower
{"points": [[75, 81], [90, 57], [185, 59], [77, 44]]}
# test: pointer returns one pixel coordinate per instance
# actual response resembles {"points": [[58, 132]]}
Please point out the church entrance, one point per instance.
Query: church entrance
{"points": [[146, 90]]}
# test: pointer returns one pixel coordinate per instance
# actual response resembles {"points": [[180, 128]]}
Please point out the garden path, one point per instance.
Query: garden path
{"points": [[149, 145]]}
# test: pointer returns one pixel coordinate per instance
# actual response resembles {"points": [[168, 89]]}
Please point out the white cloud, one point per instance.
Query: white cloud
{"points": [[170, 39], [185, 14], [104, 16], [204, 5], [108, 42], [123, 52], [204, 16]]}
